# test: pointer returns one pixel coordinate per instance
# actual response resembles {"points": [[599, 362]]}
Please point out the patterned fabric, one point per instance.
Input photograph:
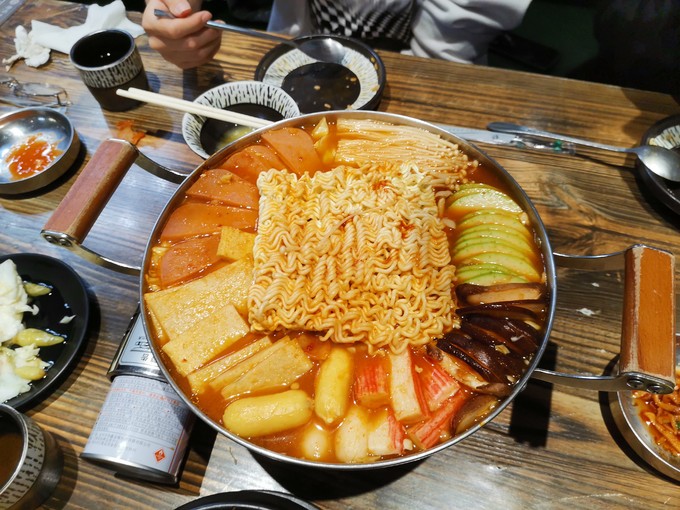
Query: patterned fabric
{"points": [[385, 23], [457, 30]]}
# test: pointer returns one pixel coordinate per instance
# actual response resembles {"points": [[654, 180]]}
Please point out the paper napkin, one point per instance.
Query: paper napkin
{"points": [[35, 45]]}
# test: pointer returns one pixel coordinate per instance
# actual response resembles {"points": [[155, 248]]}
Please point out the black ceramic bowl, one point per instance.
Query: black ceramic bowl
{"points": [[356, 84], [68, 298], [206, 136]]}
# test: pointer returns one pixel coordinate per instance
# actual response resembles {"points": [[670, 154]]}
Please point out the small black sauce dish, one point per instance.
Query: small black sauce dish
{"points": [[216, 134], [253, 98], [356, 84]]}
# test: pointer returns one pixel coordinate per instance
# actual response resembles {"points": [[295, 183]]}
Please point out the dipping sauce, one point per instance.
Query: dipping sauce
{"points": [[322, 86], [11, 446], [217, 134], [31, 156]]}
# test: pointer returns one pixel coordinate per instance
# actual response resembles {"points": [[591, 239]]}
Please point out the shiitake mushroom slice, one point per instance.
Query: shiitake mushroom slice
{"points": [[514, 363], [458, 344], [455, 367], [516, 335], [527, 310], [496, 365], [471, 294], [465, 373], [473, 411]]}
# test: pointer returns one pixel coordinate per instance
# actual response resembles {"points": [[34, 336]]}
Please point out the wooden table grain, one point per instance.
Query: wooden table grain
{"points": [[554, 447]]}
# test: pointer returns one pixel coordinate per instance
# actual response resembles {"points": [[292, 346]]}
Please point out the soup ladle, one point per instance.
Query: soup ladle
{"points": [[659, 160], [323, 49]]}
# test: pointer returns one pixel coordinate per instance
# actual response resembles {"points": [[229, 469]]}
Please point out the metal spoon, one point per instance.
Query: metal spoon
{"points": [[661, 161], [323, 49]]}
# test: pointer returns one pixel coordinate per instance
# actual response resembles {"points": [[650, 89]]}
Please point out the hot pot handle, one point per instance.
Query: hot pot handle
{"points": [[79, 209], [647, 361]]}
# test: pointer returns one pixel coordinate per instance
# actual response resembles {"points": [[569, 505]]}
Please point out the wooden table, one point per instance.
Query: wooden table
{"points": [[553, 448]]}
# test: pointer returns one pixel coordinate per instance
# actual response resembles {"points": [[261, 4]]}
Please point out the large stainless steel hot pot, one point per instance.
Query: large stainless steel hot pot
{"points": [[648, 340]]}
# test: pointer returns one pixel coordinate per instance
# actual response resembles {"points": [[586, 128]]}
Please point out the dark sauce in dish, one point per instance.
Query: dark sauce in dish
{"points": [[11, 446], [322, 86], [216, 134]]}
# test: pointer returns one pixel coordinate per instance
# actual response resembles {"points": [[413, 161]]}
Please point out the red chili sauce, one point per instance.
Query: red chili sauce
{"points": [[31, 156]]}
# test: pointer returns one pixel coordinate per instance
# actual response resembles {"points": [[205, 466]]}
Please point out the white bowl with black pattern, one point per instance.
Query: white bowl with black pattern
{"points": [[255, 98]]}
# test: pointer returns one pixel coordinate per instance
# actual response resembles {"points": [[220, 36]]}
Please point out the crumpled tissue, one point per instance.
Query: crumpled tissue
{"points": [[35, 46], [33, 53]]}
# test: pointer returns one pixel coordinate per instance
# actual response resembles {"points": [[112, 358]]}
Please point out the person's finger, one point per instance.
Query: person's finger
{"points": [[185, 21], [194, 50], [193, 41], [183, 41], [174, 28], [186, 60], [179, 8], [195, 59]]}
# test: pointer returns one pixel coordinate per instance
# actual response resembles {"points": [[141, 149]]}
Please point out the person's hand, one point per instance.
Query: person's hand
{"points": [[184, 41]]}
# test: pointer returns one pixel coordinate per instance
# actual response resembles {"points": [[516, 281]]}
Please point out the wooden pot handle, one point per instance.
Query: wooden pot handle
{"points": [[648, 330], [93, 188], [648, 340], [72, 220]]}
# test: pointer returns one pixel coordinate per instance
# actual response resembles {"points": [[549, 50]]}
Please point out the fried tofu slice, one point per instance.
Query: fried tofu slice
{"points": [[200, 379], [235, 244], [277, 366], [206, 339], [177, 309]]}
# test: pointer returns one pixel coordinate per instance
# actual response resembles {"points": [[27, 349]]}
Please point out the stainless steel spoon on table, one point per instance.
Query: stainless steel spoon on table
{"points": [[661, 161], [323, 49]]}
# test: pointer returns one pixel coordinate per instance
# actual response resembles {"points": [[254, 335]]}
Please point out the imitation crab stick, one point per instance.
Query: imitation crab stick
{"points": [[429, 432], [371, 384], [437, 384], [223, 186], [196, 219], [387, 436]]}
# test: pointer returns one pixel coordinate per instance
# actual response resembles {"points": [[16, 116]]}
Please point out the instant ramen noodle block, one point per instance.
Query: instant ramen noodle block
{"points": [[349, 253]]}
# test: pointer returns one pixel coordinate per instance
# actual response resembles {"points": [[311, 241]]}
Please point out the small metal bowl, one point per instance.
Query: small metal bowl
{"points": [[626, 417], [206, 136], [48, 124]]}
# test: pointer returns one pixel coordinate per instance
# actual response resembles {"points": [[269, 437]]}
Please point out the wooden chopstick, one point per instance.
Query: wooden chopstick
{"points": [[191, 107]]}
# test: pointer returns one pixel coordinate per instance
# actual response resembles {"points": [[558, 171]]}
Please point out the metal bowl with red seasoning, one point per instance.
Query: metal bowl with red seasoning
{"points": [[359, 290]]}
